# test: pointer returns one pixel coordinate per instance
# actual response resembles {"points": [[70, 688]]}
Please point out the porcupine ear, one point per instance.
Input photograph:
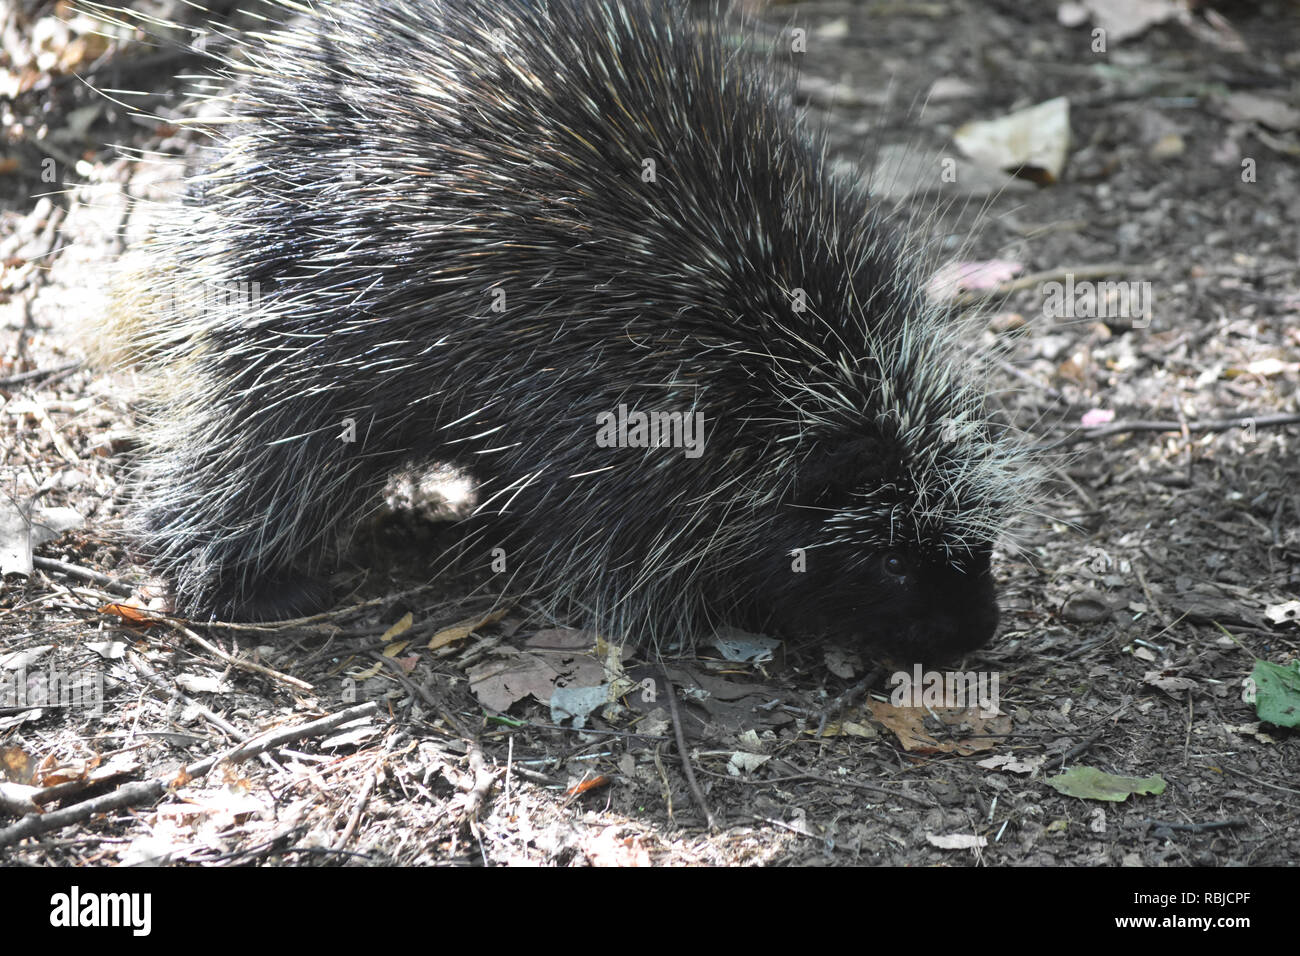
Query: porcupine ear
{"points": [[831, 473]]}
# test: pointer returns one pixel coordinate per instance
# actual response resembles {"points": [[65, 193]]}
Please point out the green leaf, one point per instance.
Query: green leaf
{"points": [[1277, 693], [1089, 783]]}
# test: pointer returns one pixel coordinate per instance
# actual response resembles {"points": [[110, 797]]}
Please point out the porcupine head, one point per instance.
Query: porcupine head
{"points": [[397, 163]]}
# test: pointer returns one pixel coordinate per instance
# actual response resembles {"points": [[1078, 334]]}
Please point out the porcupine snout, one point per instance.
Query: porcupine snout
{"points": [[937, 608], [863, 549], [899, 600]]}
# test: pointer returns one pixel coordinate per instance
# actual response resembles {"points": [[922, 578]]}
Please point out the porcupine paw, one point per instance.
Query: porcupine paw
{"points": [[277, 597]]}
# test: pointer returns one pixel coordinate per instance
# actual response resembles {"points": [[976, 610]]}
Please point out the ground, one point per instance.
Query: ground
{"points": [[1134, 608]]}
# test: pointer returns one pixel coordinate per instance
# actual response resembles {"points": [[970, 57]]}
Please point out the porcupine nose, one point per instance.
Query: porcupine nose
{"points": [[955, 610], [970, 617]]}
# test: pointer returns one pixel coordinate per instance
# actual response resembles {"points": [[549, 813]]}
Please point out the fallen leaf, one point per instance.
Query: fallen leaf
{"points": [[458, 632], [400, 627], [201, 684], [743, 647], [1089, 783], [18, 660], [367, 672], [954, 278], [1266, 110], [554, 659], [572, 706], [1036, 139], [17, 799], [128, 612], [1012, 764], [1280, 613], [15, 538], [742, 762], [1173, 686], [1122, 19], [350, 738], [908, 725], [957, 841], [17, 764], [1277, 693], [109, 650], [588, 785], [1269, 367], [610, 848]]}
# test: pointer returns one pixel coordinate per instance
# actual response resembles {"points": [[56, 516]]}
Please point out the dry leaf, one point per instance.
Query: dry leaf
{"points": [[128, 612], [908, 725], [458, 632], [1035, 138], [402, 626], [957, 841]]}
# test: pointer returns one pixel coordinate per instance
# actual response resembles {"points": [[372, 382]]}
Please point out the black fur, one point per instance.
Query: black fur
{"points": [[394, 166]]}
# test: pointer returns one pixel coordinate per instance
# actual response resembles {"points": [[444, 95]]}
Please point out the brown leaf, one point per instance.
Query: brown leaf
{"points": [[458, 632], [908, 725]]}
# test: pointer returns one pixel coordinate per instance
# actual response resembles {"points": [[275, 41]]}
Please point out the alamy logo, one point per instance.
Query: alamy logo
{"points": [[946, 689], [75, 908], [633, 429], [1098, 300], [213, 300], [81, 689]]}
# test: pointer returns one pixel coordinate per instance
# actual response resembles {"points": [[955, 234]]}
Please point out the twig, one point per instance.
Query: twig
{"points": [[849, 696], [684, 754], [1155, 605], [1070, 754], [59, 371], [58, 792], [1034, 279], [1089, 502], [111, 585], [782, 825], [277, 738], [1209, 425], [217, 721], [1198, 827], [1055, 394], [148, 791], [510, 769], [483, 780], [418, 690], [52, 230], [877, 791], [126, 796], [239, 662], [1263, 783], [152, 677], [362, 799]]}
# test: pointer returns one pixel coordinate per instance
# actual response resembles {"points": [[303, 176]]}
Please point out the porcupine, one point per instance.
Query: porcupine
{"points": [[480, 231]]}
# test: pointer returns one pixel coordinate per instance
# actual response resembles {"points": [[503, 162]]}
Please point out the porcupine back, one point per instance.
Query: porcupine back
{"points": [[473, 231]]}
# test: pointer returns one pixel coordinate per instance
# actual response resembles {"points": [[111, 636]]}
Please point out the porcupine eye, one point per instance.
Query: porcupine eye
{"points": [[894, 563]]}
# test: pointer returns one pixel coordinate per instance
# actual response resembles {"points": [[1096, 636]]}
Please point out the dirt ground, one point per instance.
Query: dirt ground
{"points": [[1133, 611]]}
